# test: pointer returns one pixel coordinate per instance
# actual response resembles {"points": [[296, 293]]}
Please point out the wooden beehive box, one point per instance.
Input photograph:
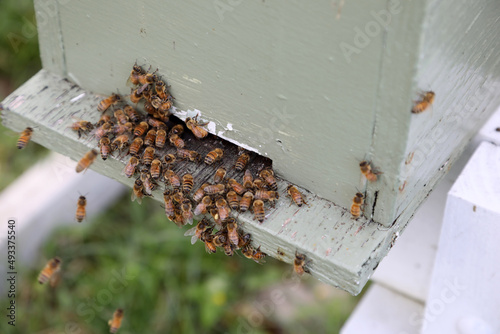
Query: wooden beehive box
{"points": [[317, 88]]}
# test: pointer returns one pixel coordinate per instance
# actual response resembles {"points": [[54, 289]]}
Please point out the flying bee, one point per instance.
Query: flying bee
{"points": [[108, 102], [196, 128], [148, 155], [169, 204], [104, 146], [148, 182], [299, 264], [188, 154], [116, 321], [51, 268], [161, 138], [155, 169], [258, 210], [223, 208], [178, 196], [187, 183], [259, 184], [237, 187], [140, 129], [132, 114], [80, 209], [24, 138], [137, 191], [232, 231], [233, 200], [199, 193], [219, 175], [268, 176], [176, 141], [426, 100], [173, 179], [120, 142], [103, 130], [202, 207], [120, 129], [161, 90], [214, 189], [246, 201], [241, 162], [120, 116], [156, 123], [208, 239], [129, 170], [368, 172], [135, 147], [196, 231], [86, 161], [357, 202], [187, 211], [258, 256], [267, 195], [103, 119], [296, 196], [150, 138], [81, 127], [177, 130], [214, 156], [169, 159], [247, 179]]}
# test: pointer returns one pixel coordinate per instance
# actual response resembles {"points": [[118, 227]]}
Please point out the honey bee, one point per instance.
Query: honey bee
{"points": [[258, 256], [233, 201], [164, 107], [357, 202], [116, 321], [178, 196], [148, 182], [120, 142], [220, 238], [169, 204], [247, 179], [173, 179], [132, 114], [426, 100], [161, 90], [259, 184], [368, 172], [150, 138], [268, 176], [150, 109], [299, 264], [103, 119], [214, 156], [103, 130], [156, 123], [177, 130], [296, 196], [155, 169], [228, 248], [196, 231], [81, 127], [161, 137], [244, 240], [157, 102], [122, 128], [199, 193], [129, 170], [203, 206], [104, 145], [147, 78], [135, 147], [196, 128], [108, 102], [135, 73], [238, 188], [219, 175], [187, 183], [135, 96], [258, 210], [188, 154], [140, 129], [232, 231], [215, 215], [208, 239], [223, 208], [80, 209], [246, 201], [187, 211], [24, 138], [148, 155], [86, 161], [51, 268], [120, 116], [247, 251], [176, 141], [137, 193], [241, 162], [169, 159], [267, 195], [214, 189]]}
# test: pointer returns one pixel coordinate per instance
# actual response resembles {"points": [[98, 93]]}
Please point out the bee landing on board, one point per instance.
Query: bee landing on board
{"points": [[369, 172], [426, 100], [300, 263], [24, 138]]}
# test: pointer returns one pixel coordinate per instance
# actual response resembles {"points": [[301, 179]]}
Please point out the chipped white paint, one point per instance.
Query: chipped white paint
{"points": [[193, 80], [76, 98]]}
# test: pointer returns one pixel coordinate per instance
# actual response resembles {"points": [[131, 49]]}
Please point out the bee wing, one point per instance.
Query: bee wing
{"points": [[194, 238], [191, 231], [55, 279], [188, 220], [199, 209], [134, 197], [261, 261]]}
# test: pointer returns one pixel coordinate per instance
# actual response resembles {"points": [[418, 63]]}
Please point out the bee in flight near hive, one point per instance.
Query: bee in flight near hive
{"points": [[24, 138], [51, 268], [357, 202], [80, 209], [197, 231], [299, 264], [368, 172], [86, 161], [108, 102], [116, 322], [196, 128], [426, 100], [296, 196]]}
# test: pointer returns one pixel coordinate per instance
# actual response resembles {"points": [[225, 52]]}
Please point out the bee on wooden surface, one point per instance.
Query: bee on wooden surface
{"points": [[223, 208], [187, 211], [357, 202], [241, 162], [232, 199], [108, 102], [176, 141], [247, 251], [140, 129], [299, 264], [116, 321], [169, 159], [51, 268], [81, 209], [147, 78], [86, 161], [268, 176], [187, 183], [169, 203], [120, 116], [136, 146], [248, 180], [150, 109], [368, 172], [148, 155], [258, 256], [133, 114], [177, 218], [81, 127], [104, 146], [259, 184], [220, 173], [296, 196], [208, 239], [135, 95], [202, 207], [103, 130], [173, 179], [103, 119], [148, 182], [188, 154], [246, 201], [129, 170], [120, 129], [258, 210], [150, 138], [135, 73], [120, 142], [155, 169], [161, 90], [160, 104], [215, 215], [24, 138], [164, 108], [137, 193], [196, 128], [214, 189], [214, 156], [267, 195], [161, 138], [199, 193], [238, 188], [426, 100], [156, 123], [220, 238], [244, 240], [196, 231], [177, 130], [232, 231]]}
